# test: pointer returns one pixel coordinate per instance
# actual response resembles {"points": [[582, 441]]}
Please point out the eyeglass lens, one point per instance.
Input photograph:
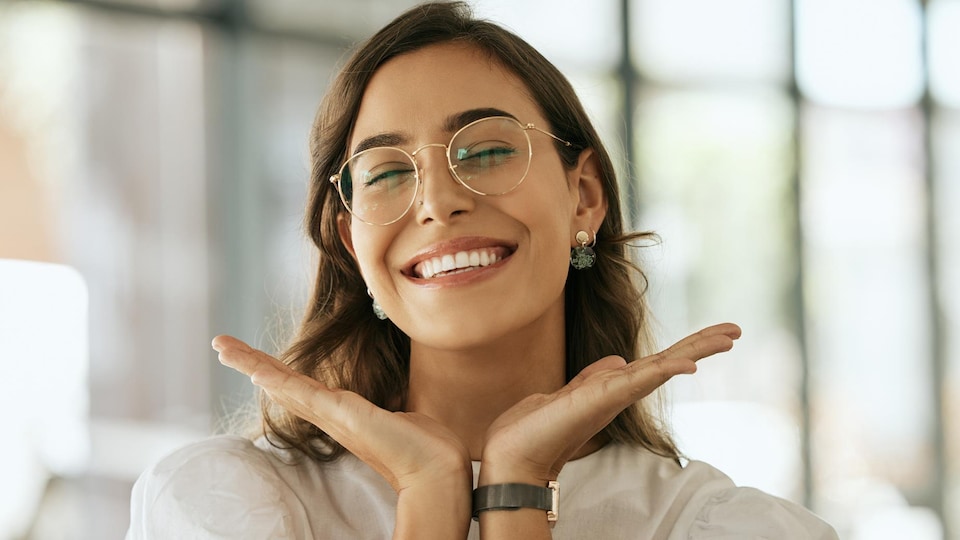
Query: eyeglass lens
{"points": [[489, 157]]}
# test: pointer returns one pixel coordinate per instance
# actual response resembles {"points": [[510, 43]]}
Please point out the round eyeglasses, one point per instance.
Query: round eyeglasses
{"points": [[490, 156]]}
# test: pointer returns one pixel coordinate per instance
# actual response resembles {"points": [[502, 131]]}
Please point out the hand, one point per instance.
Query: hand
{"points": [[532, 440], [407, 449]]}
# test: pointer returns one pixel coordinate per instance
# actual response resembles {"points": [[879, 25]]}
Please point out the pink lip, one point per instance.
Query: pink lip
{"points": [[451, 247]]}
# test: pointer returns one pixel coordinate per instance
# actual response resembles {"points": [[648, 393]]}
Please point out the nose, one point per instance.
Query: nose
{"points": [[441, 196]]}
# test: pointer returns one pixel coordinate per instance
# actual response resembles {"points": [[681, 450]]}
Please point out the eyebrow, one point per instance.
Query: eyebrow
{"points": [[456, 121], [382, 139], [452, 123]]}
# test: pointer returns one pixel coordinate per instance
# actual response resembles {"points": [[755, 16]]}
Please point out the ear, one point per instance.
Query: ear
{"points": [[587, 188], [346, 235]]}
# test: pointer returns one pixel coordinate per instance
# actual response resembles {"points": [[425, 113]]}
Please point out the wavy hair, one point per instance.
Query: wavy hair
{"points": [[342, 344]]}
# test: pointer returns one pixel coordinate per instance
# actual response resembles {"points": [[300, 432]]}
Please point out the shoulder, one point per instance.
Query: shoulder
{"points": [[235, 450], [214, 461], [640, 468], [740, 512], [718, 509], [217, 488], [631, 489]]}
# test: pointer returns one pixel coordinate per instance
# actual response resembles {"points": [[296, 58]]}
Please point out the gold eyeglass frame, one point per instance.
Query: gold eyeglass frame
{"points": [[335, 179]]}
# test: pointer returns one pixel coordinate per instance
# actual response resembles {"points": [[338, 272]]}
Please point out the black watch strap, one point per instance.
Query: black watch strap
{"points": [[516, 496]]}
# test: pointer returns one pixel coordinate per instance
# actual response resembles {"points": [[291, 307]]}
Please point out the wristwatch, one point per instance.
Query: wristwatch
{"points": [[517, 496]]}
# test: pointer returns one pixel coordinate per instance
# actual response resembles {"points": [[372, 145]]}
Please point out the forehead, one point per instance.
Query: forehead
{"points": [[414, 94]]}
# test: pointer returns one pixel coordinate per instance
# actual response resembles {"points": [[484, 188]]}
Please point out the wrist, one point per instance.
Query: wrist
{"points": [[439, 509], [504, 472], [448, 474]]}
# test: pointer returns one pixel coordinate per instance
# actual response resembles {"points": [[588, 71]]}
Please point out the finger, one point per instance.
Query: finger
{"points": [[643, 377], [240, 356], [675, 360], [616, 388], [605, 363], [602, 394], [330, 410], [640, 378], [701, 346], [729, 330], [679, 359], [345, 416], [303, 395], [264, 370], [340, 413]]}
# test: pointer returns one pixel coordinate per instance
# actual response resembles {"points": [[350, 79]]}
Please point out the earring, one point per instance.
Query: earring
{"points": [[377, 309], [583, 256]]}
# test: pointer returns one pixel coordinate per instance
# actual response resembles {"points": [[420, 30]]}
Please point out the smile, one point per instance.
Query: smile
{"points": [[461, 261]]}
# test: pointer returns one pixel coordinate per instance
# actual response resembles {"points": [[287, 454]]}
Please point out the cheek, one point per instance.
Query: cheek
{"points": [[370, 247], [548, 224], [556, 257], [554, 210]]}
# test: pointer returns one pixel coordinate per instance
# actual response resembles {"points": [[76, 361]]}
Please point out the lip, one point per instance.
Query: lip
{"points": [[451, 247]]}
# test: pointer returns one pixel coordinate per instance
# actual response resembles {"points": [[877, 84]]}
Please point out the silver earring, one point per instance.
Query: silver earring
{"points": [[377, 309], [583, 256]]}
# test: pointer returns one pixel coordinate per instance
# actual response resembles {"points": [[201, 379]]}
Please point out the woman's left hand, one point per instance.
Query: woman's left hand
{"points": [[532, 440]]}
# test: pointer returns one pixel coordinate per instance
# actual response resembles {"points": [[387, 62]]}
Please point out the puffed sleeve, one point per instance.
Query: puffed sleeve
{"points": [[219, 488], [740, 512]]}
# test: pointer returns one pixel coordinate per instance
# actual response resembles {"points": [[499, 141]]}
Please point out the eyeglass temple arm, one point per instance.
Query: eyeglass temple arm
{"points": [[551, 135]]}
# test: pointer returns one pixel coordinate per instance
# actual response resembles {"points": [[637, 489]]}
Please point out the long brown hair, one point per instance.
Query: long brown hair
{"points": [[340, 341]]}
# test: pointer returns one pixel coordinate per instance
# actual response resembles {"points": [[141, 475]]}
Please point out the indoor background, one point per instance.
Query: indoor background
{"points": [[800, 161]]}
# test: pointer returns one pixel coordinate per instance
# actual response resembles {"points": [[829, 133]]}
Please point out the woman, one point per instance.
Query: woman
{"points": [[469, 327]]}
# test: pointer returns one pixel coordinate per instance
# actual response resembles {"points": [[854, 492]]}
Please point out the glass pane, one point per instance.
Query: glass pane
{"points": [[601, 96], [848, 58], [142, 191], [547, 24], [175, 5], [946, 156], [943, 20], [44, 416], [119, 102], [698, 40], [562, 30], [111, 115], [867, 314], [715, 175], [283, 90], [343, 21]]}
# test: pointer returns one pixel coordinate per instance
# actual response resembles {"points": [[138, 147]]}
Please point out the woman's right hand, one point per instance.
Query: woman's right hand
{"points": [[427, 465]]}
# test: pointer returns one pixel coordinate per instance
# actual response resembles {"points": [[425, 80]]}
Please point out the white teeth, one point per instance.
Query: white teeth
{"points": [[460, 260], [449, 263]]}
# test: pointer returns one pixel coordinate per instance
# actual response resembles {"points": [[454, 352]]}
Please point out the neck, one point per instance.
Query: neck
{"points": [[466, 390]]}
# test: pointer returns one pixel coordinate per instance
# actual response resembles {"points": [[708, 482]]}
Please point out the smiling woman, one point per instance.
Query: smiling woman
{"points": [[455, 180]]}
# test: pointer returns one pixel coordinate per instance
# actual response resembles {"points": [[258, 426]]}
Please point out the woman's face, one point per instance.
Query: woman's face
{"points": [[416, 99]]}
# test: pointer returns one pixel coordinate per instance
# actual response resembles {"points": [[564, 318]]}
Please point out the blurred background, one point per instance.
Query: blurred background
{"points": [[800, 160]]}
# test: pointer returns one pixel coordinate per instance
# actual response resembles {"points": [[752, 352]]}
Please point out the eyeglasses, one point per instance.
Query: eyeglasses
{"points": [[490, 156]]}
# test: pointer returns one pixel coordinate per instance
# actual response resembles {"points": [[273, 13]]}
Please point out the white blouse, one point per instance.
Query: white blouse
{"points": [[231, 487]]}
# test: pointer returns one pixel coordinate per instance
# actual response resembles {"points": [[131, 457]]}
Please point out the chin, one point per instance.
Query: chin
{"points": [[464, 332], [452, 338]]}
